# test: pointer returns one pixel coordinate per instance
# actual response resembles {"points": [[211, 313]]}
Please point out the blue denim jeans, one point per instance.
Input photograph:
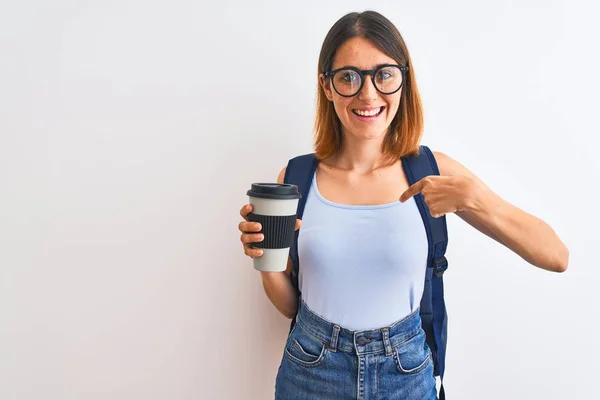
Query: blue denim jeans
{"points": [[322, 361]]}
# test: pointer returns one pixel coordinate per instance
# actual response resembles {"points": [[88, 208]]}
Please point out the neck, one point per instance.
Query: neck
{"points": [[360, 155]]}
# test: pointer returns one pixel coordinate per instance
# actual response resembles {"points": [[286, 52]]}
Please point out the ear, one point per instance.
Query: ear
{"points": [[326, 85]]}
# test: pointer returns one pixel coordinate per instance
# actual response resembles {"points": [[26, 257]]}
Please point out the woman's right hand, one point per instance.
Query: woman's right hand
{"points": [[251, 232]]}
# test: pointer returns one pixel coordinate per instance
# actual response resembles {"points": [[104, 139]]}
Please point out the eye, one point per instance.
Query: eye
{"points": [[384, 75], [348, 76]]}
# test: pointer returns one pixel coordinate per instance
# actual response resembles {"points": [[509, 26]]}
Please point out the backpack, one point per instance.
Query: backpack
{"points": [[300, 171]]}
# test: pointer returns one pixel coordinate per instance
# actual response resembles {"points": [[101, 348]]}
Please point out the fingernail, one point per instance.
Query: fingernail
{"points": [[261, 237], [259, 227]]}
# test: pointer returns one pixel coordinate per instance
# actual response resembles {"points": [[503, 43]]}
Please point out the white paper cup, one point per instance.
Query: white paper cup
{"points": [[275, 207]]}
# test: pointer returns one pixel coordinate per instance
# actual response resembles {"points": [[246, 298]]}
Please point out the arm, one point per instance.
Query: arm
{"points": [[528, 236], [280, 291], [278, 286]]}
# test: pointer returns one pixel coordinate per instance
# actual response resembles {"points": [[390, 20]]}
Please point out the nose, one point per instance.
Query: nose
{"points": [[368, 91]]}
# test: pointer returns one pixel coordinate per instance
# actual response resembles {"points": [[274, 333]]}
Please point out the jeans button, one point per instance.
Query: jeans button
{"points": [[362, 341]]}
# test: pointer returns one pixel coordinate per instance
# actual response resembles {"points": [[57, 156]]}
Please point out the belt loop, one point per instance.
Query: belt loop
{"points": [[334, 338], [386, 341]]}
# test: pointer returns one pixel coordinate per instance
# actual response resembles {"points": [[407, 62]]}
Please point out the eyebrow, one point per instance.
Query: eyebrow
{"points": [[375, 67]]}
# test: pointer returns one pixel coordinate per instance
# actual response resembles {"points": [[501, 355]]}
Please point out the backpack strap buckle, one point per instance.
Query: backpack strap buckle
{"points": [[440, 265]]}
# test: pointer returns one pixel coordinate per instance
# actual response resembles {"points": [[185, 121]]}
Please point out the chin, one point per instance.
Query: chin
{"points": [[370, 133]]}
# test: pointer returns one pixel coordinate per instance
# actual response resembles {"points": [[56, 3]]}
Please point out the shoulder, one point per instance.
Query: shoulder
{"points": [[444, 162], [448, 166], [302, 163], [281, 175]]}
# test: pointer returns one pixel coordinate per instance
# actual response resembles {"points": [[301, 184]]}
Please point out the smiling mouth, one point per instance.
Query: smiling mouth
{"points": [[368, 113]]}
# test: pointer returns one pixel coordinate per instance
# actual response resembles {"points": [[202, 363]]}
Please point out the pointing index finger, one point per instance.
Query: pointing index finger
{"points": [[411, 191]]}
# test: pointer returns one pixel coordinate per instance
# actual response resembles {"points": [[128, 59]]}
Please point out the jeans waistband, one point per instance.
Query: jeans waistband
{"points": [[335, 337]]}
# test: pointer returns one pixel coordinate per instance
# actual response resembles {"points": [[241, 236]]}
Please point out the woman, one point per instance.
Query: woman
{"points": [[362, 244]]}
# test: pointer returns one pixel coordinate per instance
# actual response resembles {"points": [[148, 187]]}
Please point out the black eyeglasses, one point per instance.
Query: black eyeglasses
{"points": [[348, 81]]}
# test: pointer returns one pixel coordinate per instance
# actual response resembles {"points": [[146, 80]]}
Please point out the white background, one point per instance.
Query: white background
{"points": [[131, 130]]}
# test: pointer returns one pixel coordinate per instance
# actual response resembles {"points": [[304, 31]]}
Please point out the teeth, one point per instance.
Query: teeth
{"points": [[369, 113]]}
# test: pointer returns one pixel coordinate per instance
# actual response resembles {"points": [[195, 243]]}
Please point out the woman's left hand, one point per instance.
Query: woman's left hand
{"points": [[443, 194]]}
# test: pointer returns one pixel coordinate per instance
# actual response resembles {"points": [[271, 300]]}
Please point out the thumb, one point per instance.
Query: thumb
{"points": [[298, 224]]}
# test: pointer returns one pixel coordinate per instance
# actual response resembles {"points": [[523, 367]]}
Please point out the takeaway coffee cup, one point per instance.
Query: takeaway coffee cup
{"points": [[274, 206]]}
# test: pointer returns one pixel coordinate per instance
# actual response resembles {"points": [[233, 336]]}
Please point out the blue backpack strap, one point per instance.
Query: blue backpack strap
{"points": [[433, 308], [300, 171]]}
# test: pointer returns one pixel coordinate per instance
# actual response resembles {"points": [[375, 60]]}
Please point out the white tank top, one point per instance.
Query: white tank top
{"points": [[361, 267]]}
